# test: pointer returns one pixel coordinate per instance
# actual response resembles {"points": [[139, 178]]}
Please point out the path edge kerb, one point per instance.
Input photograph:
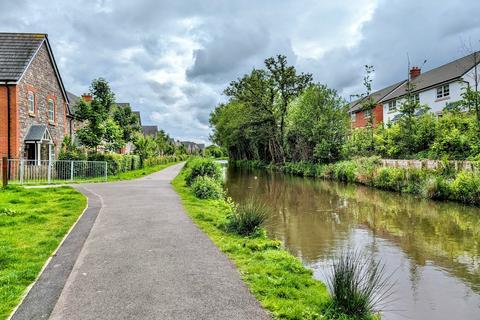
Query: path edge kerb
{"points": [[42, 295]]}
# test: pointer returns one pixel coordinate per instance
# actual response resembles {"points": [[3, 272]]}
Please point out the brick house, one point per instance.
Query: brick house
{"points": [[34, 107], [360, 117]]}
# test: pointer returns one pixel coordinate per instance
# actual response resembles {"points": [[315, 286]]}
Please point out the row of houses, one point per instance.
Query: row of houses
{"points": [[36, 110], [438, 89]]}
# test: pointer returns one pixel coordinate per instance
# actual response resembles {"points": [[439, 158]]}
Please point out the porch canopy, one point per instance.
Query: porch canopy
{"points": [[39, 135]]}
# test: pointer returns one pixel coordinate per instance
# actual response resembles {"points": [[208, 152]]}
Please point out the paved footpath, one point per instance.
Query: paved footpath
{"points": [[145, 259]]}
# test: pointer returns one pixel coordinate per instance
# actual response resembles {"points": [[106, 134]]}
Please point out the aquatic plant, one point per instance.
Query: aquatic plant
{"points": [[359, 285], [248, 217]]}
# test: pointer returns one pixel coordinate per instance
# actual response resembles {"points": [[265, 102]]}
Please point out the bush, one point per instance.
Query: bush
{"points": [[345, 171], [466, 187], [198, 167], [207, 188], [247, 218], [358, 285]]}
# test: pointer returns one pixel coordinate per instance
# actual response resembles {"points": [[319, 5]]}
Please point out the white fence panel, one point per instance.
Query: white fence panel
{"points": [[23, 171]]}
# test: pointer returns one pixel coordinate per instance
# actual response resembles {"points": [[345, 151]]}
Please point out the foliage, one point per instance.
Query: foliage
{"points": [[214, 151], [198, 167], [32, 224], [247, 218], [127, 121], [117, 163], [358, 284], [145, 147], [205, 187], [317, 125], [70, 151]]}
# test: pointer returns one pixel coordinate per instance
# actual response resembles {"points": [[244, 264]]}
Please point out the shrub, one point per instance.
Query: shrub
{"points": [[390, 179], [198, 167], [358, 285], [466, 187], [345, 171], [207, 188], [247, 218]]}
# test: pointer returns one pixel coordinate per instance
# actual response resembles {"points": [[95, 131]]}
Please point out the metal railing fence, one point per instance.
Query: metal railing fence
{"points": [[22, 171]]}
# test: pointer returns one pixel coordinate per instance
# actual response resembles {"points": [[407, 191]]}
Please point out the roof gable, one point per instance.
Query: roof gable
{"points": [[377, 96]]}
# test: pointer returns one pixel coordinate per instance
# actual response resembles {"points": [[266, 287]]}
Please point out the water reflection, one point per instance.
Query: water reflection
{"points": [[433, 248]]}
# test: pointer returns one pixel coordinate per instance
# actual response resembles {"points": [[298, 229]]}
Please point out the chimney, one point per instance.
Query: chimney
{"points": [[87, 97], [415, 72]]}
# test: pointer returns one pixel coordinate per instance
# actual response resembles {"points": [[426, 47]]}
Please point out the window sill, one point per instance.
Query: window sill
{"points": [[442, 99], [32, 114], [52, 123], [392, 111]]}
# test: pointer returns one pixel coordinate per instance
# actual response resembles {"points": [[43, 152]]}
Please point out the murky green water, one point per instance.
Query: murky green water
{"points": [[432, 248]]}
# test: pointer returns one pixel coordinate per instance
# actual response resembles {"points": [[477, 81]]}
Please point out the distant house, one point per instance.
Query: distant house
{"points": [[192, 147], [437, 88], [151, 131], [34, 106]]}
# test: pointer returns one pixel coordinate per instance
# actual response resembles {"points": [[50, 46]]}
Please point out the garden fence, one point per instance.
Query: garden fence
{"points": [[22, 171]]}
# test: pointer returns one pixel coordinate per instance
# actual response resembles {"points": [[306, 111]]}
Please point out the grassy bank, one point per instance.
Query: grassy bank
{"points": [[442, 184], [138, 173], [32, 224], [277, 279]]}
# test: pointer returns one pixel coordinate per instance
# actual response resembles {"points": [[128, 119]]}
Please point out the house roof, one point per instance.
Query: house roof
{"points": [[137, 114], [377, 96], [150, 130], [74, 100], [447, 73], [17, 51], [38, 133]]}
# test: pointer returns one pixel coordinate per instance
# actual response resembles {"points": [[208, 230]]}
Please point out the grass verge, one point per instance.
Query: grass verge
{"points": [[32, 224], [277, 279], [138, 173]]}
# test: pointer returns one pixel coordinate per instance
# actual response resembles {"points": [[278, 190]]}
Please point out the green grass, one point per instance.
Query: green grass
{"points": [[277, 279], [32, 224]]}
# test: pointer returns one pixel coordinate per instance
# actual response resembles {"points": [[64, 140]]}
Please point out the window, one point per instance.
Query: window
{"points": [[51, 110], [443, 91], [354, 116], [31, 102], [367, 113], [416, 98], [392, 106]]}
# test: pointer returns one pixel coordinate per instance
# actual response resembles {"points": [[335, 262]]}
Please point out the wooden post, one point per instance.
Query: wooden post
{"points": [[5, 171]]}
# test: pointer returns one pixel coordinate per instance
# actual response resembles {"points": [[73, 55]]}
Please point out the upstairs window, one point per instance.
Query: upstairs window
{"points": [[392, 106], [367, 113], [51, 110], [354, 116], [443, 91], [31, 102]]}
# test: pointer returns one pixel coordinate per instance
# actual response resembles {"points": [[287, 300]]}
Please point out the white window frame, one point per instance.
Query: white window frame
{"points": [[51, 110], [392, 106], [354, 116], [443, 91], [367, 113], [31, 102], [416, 98]]}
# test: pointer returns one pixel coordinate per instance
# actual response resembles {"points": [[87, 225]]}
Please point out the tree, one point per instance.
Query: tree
{"points": [[95, 115], [127, 121], [317, 125], [287, 85], [369, 104], [145, 147]]}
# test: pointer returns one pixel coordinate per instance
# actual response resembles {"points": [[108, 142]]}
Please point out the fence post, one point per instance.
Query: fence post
{"points": [[4, 171], [106, 172], [49, 171], [22, 170], [71, 170]]}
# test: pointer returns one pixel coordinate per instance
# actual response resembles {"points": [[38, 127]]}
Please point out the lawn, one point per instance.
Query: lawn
{"points": [[277, 279], [32, 224], [138, 173]]}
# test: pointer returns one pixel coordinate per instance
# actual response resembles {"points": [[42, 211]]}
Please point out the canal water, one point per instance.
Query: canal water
{"points": [[431, 248]]}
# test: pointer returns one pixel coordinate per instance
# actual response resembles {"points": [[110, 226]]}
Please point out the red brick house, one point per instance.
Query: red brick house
{"points": [[360, 117], [34, 107]]}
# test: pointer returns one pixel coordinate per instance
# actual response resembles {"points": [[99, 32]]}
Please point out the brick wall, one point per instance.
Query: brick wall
{"points": [[14, 126], [362, 121], [40, 78]]}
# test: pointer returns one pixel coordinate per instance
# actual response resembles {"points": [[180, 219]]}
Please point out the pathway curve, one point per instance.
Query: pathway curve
{"points": [[145, 259]]}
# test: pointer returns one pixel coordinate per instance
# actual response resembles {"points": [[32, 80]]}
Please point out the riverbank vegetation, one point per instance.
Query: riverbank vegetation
{"points": [[279, 118], [444, 183], [277, 279], [32, 224]]}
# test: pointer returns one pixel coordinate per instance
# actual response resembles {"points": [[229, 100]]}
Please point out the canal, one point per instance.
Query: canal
{"points": [[431, 248]]}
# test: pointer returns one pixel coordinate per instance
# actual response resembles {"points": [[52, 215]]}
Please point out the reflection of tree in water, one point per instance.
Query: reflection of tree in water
{"points": [[313, 216]]}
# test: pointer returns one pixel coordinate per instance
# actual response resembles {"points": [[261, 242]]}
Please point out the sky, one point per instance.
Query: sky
{"points": [[172, 59]]}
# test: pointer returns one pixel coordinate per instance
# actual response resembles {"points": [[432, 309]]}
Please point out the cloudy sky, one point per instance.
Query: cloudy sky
{"points": [[172, 59]]}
